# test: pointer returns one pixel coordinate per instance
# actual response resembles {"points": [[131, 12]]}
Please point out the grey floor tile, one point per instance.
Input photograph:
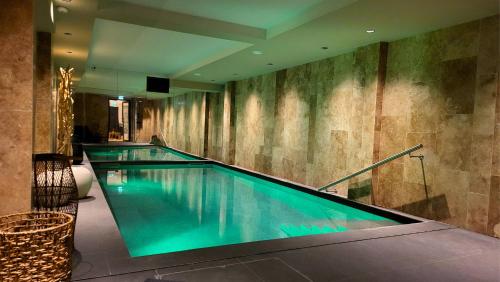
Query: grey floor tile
{"points": [[89, 266], [131, 277], [274, 269], [128, 264], [231, 272], [318, 264], [484, 266], [188, 267], [110, 244]]}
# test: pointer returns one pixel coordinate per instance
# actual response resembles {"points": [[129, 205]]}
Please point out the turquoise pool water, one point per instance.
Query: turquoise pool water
{"points": [[134, 153], [169, 208]]}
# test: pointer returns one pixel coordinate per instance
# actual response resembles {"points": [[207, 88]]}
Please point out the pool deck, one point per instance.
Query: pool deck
{"points": [[429, 251]]}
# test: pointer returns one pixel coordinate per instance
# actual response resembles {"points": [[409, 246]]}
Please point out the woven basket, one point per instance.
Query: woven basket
{"points": [[36, 246]]}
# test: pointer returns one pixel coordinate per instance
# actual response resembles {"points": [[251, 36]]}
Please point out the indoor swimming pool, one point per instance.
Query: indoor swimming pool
{"points": [[167, 208]]}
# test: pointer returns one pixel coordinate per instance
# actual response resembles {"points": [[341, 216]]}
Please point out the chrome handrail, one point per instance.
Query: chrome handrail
{"points": [[162, 135], [375, 165]]}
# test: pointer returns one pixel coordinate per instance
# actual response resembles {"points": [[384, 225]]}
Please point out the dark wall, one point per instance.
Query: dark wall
{"points": [[91, 118]]}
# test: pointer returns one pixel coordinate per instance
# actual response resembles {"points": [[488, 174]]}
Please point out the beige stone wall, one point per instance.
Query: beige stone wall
{"points": [[43, 121], [229, 123], [320, 121], [312, 123], [215, 125], [180, 119], [91, 113], [16, 105], [254, 122], [150, 121], [442, 91], [186, 129]]}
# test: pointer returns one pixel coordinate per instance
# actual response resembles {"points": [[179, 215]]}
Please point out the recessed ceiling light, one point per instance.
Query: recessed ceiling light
{"points": [[62, 9], [69, 52], [370, 31], [324, 47], [67, 1], [197, 74], [257, 52], [68, 33]]}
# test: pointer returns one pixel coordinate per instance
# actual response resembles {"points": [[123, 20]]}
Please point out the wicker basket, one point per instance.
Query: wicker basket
{"points": [[36, 246]]}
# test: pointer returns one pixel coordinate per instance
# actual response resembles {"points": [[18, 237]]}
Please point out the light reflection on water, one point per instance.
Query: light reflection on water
{"points": [[160, 210], [134, 153]]}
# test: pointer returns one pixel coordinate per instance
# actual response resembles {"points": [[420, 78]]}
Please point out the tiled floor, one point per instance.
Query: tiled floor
{"points": [[419, 252]]}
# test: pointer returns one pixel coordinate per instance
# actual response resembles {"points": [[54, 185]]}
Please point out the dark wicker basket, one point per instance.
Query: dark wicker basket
{"points": [[36, 246], [54, 186]]}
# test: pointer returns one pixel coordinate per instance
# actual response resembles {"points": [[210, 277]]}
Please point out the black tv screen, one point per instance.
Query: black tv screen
{"points": [[157, 84]]}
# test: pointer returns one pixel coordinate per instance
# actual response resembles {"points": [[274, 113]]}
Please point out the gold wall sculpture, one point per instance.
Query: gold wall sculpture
{"points": [[65, 112]]}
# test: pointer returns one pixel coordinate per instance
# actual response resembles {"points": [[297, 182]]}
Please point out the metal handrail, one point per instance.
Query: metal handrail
{"points": [[377, 164], [163, 137]]}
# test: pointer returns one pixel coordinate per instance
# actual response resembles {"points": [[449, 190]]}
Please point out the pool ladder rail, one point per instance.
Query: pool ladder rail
{"points": [[375, 165]]}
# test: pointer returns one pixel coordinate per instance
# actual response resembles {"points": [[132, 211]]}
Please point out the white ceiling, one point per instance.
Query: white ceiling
{"points": [[214, 39], [257, 13], [150, 50]]}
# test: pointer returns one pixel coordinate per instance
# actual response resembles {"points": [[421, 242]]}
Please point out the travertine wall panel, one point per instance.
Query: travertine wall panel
{"points": [[254, 122], [180, 119], [229, 123], [16, 105], [215, 125], [43, 124], [441, 91], [91, 117], [318, 116]]}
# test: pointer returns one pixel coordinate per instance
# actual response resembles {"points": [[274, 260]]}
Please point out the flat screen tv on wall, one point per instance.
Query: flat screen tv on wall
{"points": [[157, 84]]}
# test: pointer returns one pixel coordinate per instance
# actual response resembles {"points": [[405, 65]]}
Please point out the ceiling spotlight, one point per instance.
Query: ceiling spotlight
{"points": [[67, 1], [69, 52], [324, 47], [62, 9], [197, 74], [68, 33], [370, 31], [257, 52]]}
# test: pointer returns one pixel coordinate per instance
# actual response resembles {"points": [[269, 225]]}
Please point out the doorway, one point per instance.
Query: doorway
{"points": [[119, 120]]}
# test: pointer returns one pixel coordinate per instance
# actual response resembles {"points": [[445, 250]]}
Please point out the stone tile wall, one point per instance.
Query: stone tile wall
{"points": [[180, 119], [215, 125], [16, 105], [149, 121], [442, 91], [91, 112], [43, 121], [229, 123]]}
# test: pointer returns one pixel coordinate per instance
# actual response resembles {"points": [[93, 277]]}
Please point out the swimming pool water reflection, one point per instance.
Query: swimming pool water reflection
{"points": [[168, 208], [134, 153]]}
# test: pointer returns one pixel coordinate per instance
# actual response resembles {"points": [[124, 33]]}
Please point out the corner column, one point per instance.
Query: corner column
{"points": [[16, 105]]}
